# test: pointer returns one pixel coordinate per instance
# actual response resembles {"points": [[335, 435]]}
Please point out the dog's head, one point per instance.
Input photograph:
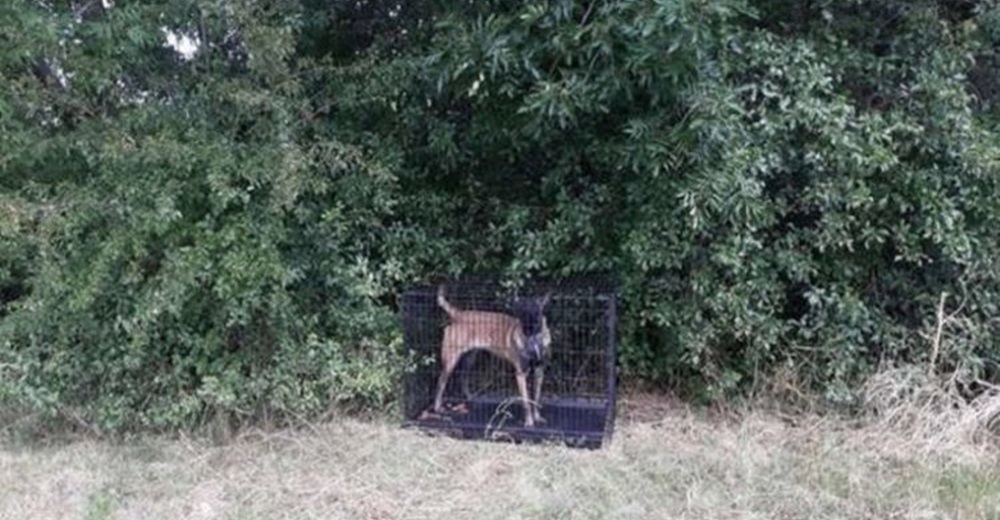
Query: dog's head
{"points": [[531, 313]]}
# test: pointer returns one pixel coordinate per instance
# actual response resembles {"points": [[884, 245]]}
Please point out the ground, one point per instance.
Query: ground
{"points": [[666, 461]]}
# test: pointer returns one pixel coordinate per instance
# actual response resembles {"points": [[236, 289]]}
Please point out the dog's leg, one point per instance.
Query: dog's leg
{"points": [[466, 372], [448, 362], [537, 404], [522, 386]]}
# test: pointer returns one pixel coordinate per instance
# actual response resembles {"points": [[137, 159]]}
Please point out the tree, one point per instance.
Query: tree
{"points": [[188, 245], [222, 234]]}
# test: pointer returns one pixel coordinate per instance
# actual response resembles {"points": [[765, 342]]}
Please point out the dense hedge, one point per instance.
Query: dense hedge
{"points": [[775, 184]]}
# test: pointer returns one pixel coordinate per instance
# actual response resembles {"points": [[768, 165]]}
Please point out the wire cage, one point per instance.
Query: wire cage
{"points": [[559, 333]]}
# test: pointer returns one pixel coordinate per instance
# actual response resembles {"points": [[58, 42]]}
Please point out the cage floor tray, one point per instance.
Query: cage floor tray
{"points": [[573, 422]]}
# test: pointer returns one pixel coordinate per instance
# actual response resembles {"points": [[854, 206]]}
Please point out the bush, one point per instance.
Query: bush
{"points": [[222, 234], [194, 254]]}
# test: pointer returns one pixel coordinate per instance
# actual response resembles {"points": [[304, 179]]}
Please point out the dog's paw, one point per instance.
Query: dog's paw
{"points": [[460, 408], [428, 415]]}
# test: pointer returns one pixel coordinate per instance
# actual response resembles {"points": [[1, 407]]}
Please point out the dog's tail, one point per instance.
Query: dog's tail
{"points": [[449, 309]]}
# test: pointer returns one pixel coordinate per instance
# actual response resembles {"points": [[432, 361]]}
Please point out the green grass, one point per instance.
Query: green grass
{"points": [[100, 505], [969, 492], [663, 463]]}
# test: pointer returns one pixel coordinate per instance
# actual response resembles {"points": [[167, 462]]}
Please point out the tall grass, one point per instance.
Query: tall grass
{"points": [[918, 454], [927, 414]]}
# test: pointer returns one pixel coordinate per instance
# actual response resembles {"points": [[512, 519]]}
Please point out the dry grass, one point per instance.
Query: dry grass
{"points": [[928, 415], [665, 462]]}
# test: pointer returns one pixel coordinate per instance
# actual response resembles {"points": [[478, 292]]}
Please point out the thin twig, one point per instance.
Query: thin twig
{"points": [[936, 343], [586, 13]]}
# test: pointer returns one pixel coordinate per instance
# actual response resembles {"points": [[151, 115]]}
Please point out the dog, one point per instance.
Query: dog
{"points": [[523, 341]]}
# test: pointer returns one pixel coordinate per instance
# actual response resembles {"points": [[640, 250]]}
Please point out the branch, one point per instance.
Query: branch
{"points": [[586, 14], [936, 343]]}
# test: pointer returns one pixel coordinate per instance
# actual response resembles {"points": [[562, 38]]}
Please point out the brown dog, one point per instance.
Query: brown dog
{"points": [[523, 341]]}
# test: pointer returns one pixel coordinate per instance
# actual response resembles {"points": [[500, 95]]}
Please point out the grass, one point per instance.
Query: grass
{"points": [[666, 461]]}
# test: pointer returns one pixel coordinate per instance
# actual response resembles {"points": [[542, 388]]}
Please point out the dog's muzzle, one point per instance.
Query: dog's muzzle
{"points": [[533, 348]]}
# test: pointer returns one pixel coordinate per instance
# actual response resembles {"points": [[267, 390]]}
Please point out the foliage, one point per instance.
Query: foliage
{"points": [[194, 248], [768, 192], [772, 183]]}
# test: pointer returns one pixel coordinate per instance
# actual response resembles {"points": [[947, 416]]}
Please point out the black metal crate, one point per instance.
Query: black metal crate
{"points": [[481, 399]]}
